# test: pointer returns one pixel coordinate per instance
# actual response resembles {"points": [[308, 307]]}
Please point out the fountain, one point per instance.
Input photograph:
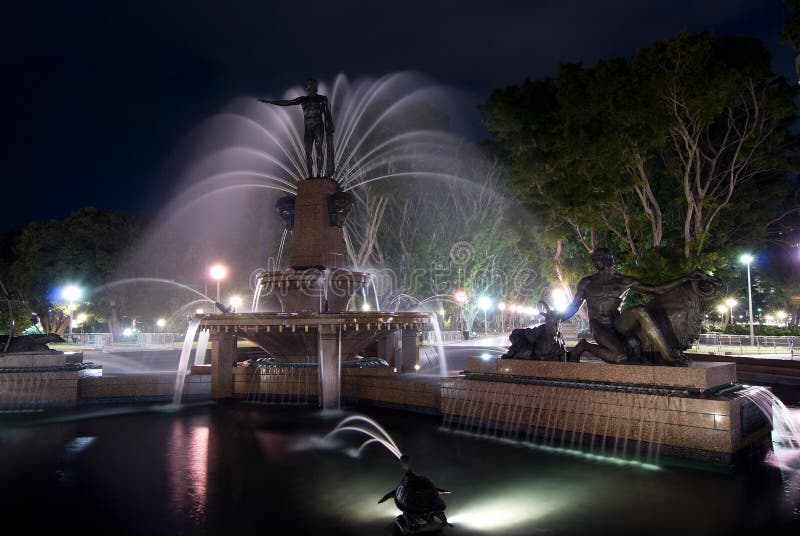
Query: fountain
{"points": [[548, 434], [314, 324], [644, 399]]}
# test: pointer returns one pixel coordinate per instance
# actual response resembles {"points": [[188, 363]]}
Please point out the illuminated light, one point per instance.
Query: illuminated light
{"points": [[441, 311], [199, 311], [722, 309], [513, 307], [78, 445], [731, 303], [218, 271], [71, 293], [416, 367], [161, 322], [746, 258], [127, 332], [461, 296], [560, 301], [781, 315], [81, 318], [501, 306], [485, 356], [504, 509], [394, 369], [365, 307], [485, 303]]}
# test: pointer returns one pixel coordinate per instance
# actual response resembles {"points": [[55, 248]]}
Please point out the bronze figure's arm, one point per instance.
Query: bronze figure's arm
{"points": [[283, 102], [572, 308], [666, 287]]}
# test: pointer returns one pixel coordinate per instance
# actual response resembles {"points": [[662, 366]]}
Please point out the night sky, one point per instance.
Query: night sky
{"points": [[101, 92]]}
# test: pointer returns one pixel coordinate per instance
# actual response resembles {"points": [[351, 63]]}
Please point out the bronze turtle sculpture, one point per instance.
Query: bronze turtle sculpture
{"points": [[420, 501]]}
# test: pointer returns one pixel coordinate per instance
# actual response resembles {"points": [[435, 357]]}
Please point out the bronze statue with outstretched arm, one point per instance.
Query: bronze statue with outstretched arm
{"points": [[603, 293], [318, 123]]}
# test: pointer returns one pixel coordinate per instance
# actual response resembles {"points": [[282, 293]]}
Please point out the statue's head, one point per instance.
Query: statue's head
{"points": [[602, 258], [311, 86], [405, 461]]}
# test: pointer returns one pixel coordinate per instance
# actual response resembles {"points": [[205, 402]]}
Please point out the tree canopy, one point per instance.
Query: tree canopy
{"points": [[674, 158]]}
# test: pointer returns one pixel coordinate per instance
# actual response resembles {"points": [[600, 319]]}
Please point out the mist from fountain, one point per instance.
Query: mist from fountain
{"points": [[183, 362], [202, 347]]}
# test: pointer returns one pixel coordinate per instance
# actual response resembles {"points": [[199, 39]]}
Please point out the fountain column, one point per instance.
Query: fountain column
{"points": [[329, 369], [223, 357], [315, 242], [410, 353]]}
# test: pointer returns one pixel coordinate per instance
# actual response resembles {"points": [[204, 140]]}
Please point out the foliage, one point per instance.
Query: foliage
{"points": [[762, 330], [85, 249], [791, 27], [22, 317], [673, 159]]}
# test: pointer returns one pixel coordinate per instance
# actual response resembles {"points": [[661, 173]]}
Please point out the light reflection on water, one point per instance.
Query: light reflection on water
{"points": [[199, 471], [187, 451], [503, 509]]}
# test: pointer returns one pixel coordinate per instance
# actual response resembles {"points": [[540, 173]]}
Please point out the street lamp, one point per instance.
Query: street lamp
{"points": [[71, 293], [502, 307], [161, 323], [731, 303], [485, 303], [236, 302], [781, 316], [722, 309], [461, 297], [747, 259], [218, 272]]}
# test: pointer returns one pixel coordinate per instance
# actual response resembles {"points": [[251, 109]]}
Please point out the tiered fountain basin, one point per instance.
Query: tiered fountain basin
{"points": [[615, 409], [323, 339], [38, 380], [312, 289]]}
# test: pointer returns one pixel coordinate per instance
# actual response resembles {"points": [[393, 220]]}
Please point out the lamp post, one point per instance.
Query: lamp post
{"points": [[502, 307], [731, 303], [461, 297], [81, 319], [722, 309], [218, 272], [747, 259], [72, 294], [485, 303]]}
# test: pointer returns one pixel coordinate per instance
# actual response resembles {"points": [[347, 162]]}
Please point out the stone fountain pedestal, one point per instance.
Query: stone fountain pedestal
{"points": [[39, 380], [314, 325], [324, 339], [683, 412]]}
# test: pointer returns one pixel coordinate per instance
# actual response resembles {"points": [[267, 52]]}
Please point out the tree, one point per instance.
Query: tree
{"points": [[87, 248], [673, 158]]}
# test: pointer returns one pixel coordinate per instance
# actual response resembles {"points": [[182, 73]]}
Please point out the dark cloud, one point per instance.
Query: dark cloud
{"points": [[103, 91]]}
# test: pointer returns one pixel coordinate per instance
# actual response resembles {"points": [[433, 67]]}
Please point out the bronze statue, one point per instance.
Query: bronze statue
{"points": [[541, 343], [29, 343], [419, 500], [619, 334], [318, 128]]}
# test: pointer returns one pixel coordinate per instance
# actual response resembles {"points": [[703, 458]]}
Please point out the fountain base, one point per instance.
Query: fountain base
{"points": [[621, 411], [324, 339]]}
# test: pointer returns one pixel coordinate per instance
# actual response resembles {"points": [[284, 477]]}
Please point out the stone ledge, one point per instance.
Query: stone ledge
{"points": [[700, 376]]}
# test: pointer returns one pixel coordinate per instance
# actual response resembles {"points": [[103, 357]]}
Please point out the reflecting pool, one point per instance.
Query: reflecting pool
{"points": [[247, 469]]}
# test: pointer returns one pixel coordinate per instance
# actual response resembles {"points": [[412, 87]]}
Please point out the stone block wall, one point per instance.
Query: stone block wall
{"points": [[707, 428]]}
